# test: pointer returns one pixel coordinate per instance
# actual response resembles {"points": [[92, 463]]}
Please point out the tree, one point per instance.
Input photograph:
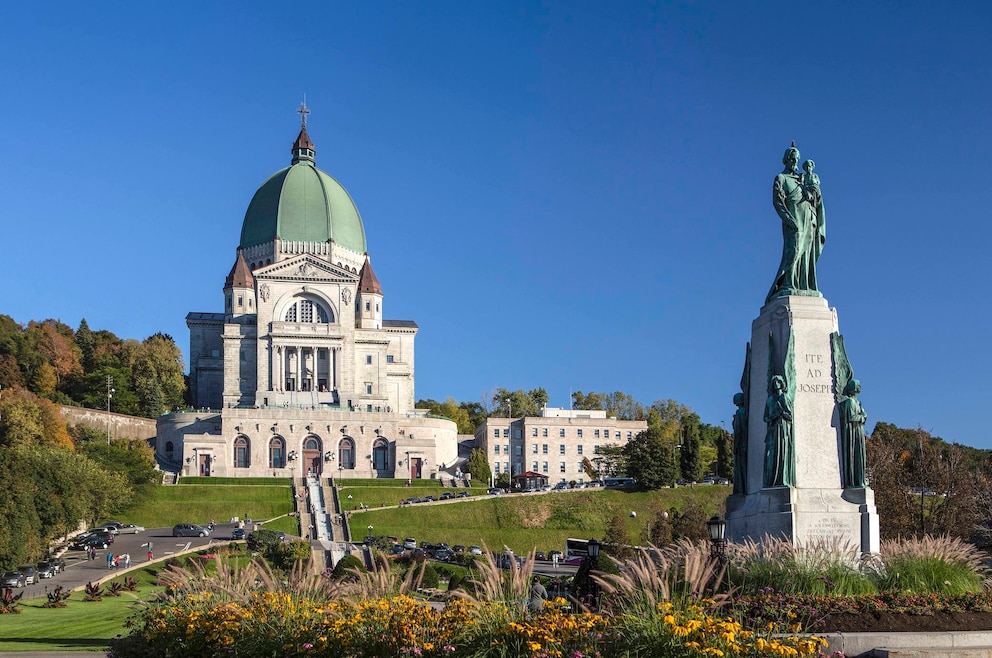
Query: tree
{"points": [[666, 417], [616, 541], [451, 410], [650, 460], [610, 460], [690, 457], [589, 400], [725, 455], [519, 403], [477, 414], [478, 466]]}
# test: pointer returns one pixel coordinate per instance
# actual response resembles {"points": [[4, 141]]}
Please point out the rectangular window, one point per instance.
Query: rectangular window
{"points": [[506, 432], [618, 434], [506, 467], [579, 447], [561, 449], [368, 359], [579, 432], [561, 432], [596, 433], [496, 449], [517, 433], [368, 306], [544, 430], [630, 435], [518, 450], [496, 432], [241, 300], [368, 389], [580, 469], [506, 449], [535, 448], [561, 466], [496, 468], [534, 433], [545, 465], [368, 408], [544, 448], [389, 358], [535, 467]]}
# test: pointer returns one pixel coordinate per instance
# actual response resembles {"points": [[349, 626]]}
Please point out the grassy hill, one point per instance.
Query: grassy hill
{"points": [[526, 522]]}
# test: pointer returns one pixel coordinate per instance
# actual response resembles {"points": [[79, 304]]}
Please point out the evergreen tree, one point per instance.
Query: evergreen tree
{"points": [[478, 466], [690, 459], [725, 455], [650, 460]]}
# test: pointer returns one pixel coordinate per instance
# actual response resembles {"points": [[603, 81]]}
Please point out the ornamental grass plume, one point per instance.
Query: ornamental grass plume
{"points": [[821, 567], [383, 581], [933, 564], [494, 585], [229, 581], [681, 572]]}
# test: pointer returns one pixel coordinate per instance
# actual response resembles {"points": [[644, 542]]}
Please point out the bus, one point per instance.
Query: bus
{"points": [[619, 483], [576, 548]]}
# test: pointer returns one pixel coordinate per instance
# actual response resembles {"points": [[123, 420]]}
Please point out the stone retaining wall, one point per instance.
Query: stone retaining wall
{"points": [[121, 425]]}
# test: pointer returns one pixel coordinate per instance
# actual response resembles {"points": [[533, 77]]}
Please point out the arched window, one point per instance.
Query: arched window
{"points": [[306, 311], [346, 453], [380, 455], [311, 443], [277, 452], [169, 449], [242, 452]]}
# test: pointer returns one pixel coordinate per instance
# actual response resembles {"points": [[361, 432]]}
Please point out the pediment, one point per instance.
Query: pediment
{"points": [[305, 268]]}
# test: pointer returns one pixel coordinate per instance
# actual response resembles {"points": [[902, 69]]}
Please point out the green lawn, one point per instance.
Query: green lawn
{"points": [[199, 503], [524, 523], [382, 496], [82, 625], [246, 482]]}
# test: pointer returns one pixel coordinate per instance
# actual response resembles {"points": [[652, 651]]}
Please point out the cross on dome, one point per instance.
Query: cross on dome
{"points": [[303, 112]]}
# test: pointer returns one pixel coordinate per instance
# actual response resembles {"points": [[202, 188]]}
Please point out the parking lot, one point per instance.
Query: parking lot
{"points": [[81, 570]]}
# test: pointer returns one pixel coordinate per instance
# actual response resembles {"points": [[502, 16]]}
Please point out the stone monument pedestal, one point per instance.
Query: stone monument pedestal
{"points": [[792, 337]]}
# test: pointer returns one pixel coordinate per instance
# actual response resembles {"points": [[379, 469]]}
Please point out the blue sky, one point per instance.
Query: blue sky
{"points": [[571, 195]]}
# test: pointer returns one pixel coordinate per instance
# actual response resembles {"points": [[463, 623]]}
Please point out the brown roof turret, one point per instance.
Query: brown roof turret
{"points": [[240, 276], [367, 282]]}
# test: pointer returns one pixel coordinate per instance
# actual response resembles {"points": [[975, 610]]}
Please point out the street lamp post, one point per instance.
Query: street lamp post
{"points": [[592, 549], [110, 394], [717, 527]]}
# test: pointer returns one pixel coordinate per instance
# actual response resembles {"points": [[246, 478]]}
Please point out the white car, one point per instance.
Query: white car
{"points": [[475, 550], [130, 529]]}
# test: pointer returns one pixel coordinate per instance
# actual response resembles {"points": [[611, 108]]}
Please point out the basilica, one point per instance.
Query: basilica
{"points": [[301, 373]]}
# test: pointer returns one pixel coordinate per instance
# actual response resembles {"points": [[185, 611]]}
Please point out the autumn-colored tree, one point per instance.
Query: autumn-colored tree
{"points": [[616, 541]]}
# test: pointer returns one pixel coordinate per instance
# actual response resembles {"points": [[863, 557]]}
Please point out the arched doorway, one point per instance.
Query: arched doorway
{"points": [[312, 458], [380, 455], [346, 453], [277, 452], [242, 452]]}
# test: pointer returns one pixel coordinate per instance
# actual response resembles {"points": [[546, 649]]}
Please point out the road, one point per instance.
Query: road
{"points": [[80, 570]]}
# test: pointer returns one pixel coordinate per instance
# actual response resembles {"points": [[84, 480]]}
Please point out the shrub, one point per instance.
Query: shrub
{"points": [[346, 567], [285, 555], [430, 578], [114, 589], [56, 598], [130, 584], [93, 592], [9, 601], [263, 541], [455, 582]]}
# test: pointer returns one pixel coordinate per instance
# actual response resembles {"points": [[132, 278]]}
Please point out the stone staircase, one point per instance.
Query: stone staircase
{"points": [[951, 644]]}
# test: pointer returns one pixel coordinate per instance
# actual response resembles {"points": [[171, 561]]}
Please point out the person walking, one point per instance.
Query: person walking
{"points": [[117, 562], [110, 560], [127, 560], [151, 556]]}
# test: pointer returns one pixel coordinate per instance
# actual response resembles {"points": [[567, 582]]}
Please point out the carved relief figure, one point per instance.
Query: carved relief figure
{"points": [[740, 444], [852, 437], [799, 204], [780, 460]]}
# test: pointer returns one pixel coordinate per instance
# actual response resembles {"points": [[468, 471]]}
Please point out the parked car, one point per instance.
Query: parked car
{"points": [[130, 529], [458, 548], [30, 573], [539, 555], [58, 563], [87, 542], [462, 494], [553, 554], [561, 486], [12, 579], [475, 550], [707, 480], [189, 530], [396, 549], [116, 524], [106, 536], [409, 501], [444, 554], [45, 569], [447, 495], [409, 543], [109, 529], [237, 533], [494, 491], [546, 487]]}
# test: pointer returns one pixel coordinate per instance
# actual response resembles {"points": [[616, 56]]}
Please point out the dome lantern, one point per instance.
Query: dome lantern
{"points": [[303, 149]]}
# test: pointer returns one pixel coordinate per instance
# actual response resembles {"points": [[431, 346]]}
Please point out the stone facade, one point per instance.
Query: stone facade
{"points": [[302, 372], [554, 443], [121, 426]]}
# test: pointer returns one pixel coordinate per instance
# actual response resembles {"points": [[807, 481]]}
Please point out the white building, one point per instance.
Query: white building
{"points": [[552, 444], [302, 372]]}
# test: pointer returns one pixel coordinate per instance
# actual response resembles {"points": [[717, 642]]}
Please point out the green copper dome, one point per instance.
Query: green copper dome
{"points": [[302, 203]]}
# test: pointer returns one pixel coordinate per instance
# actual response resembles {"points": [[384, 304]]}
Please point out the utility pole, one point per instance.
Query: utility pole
{"points": [[110, 394]]}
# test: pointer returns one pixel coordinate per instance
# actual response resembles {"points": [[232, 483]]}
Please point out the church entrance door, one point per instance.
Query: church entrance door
{"points": [[415, 467], [204, 465]]}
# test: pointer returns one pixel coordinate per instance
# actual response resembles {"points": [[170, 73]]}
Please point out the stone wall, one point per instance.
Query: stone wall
{"points": [[121, 426]]}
